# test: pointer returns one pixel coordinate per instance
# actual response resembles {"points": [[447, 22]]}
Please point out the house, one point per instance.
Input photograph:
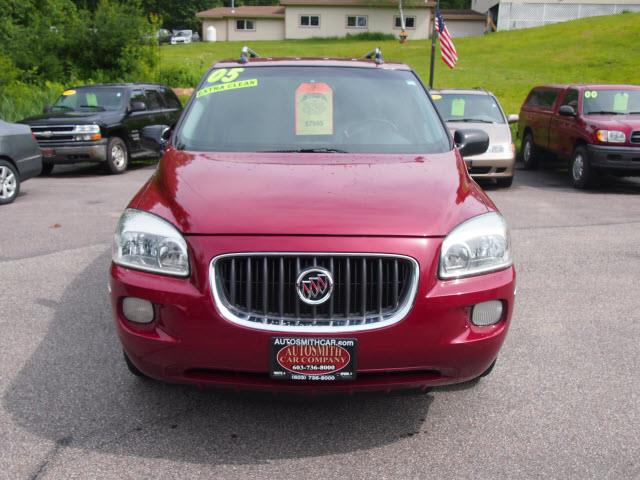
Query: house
{"points": [[464, 23], [297, 19], [513, 14]]}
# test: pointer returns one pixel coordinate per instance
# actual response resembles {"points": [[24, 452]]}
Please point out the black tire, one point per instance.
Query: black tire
{"points": [[504, 182], [117, 156], [9, 182], [488, 370], [581, 173], [529, 153], [132, 368], [47, 168]]}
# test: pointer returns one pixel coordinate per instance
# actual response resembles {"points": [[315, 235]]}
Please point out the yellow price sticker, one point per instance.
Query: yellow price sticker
{"points": [[223, 87], [436, 97], [457, 107], [66, 93], [224, 75]]}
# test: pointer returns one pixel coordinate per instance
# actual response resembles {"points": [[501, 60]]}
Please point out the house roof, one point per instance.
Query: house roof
{"points": [[359, 3], [274, 11], [462, 14]]}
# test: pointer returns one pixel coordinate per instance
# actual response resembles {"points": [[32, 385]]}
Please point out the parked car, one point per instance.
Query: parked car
{"points": [[481, 109], [102, 123], [181, 36], [20, 159], [163, 35], [312, 226], [596, 128]]}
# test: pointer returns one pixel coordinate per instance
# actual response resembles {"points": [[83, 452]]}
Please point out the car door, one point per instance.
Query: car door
{"points": [[155, 107], [564, 129], [136, 120], [173, 107], [541, 118]]}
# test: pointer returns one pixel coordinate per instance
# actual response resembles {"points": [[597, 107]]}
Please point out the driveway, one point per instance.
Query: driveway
{"points": [[562, 402]]}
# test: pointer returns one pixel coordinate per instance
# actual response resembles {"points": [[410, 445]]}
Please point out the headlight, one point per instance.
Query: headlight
{"points": [[611, 136], [147, 242], [479, 245], [87, 129]]}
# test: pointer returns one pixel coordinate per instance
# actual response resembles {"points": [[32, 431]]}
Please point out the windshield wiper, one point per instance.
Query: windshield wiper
{"points": [[605, 112], [307, 150], [63, 107], [470, 120], [93, 106]]}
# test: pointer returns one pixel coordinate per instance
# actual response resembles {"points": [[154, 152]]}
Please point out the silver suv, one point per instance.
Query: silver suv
{"points": [[481, 109]]}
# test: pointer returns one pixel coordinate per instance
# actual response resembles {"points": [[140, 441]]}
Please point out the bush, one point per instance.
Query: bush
{"points": [[178, 76], [19, 100]]}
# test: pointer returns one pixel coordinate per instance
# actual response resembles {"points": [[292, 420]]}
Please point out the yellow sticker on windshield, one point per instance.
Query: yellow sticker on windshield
{"points": [[314, 109], [436, 97], [66, 93], [223, 87], [92, 100], [620, 102], [457, 107], [225, 76]]}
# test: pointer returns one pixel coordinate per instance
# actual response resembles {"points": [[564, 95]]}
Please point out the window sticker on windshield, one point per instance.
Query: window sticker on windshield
{"points": [[436, 97], [92, 100], [223, 87], [457, 107], [66, 93], [590, 94], [620, 102], [225, 75], [314, 109]]}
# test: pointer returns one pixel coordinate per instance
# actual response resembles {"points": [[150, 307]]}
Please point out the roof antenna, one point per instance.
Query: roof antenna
{"points": [[247, 53], [377, 54]]}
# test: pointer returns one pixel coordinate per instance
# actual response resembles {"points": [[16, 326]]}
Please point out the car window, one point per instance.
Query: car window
{"points": [[458, 107], [170, 99], [542, 98], [571, 99], [153, 100], [91, 99], [312, 108], [611, 102], [137, 96]]}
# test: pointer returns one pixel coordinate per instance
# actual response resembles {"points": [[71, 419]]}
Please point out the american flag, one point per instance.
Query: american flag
{"points": [[447, 49]]}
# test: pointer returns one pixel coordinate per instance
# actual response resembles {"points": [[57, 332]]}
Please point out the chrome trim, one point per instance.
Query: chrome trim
{"points": [[303, 274], [245, 321]]}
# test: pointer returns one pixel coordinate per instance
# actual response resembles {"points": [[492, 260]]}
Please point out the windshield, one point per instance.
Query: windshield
{"points": [[310, 109], [458, 107], [91, 99], [611, 102]]}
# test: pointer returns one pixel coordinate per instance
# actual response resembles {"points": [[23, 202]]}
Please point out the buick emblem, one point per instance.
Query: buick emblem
{"points": [[314, 285]]}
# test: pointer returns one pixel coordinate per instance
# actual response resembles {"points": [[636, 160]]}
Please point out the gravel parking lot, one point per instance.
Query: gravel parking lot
{"points": [[562, 402]]}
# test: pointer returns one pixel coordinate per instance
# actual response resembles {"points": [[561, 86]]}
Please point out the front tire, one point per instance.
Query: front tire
{"points": [[47, 168], [529, 153], [117, 156], [581, 173], [9, 182]]}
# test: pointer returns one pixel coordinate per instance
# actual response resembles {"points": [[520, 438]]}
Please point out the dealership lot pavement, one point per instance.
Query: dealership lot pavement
{"points": [[562, 402]]}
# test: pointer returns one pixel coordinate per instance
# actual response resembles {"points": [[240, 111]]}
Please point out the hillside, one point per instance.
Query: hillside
{"points": [[598, 49]]}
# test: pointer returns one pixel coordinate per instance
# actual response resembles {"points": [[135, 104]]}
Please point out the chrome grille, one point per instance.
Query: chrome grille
{"points": [[259, 290], [46, 134], [635, 137]]}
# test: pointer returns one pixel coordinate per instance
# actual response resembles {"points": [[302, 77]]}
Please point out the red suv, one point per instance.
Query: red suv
{"points": [[595, 127], [312, 227]]}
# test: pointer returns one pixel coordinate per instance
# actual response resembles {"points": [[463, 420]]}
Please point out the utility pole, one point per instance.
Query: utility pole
{"points": [[434, 34]]}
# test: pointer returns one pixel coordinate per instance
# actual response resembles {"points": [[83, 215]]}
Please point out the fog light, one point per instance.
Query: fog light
{"points": [[486, 313], [137, 310]]}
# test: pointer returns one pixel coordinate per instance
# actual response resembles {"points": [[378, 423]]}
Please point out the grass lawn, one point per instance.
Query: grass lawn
{"points": [[598, 49]]}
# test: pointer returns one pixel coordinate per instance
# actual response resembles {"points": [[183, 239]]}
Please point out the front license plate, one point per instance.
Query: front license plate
{"points": [[48, 152], [313, 358]]}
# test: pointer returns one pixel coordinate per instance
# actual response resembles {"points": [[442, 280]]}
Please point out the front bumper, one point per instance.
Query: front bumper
{"points": [[622, 159], [190, 342], [65, 153], [491, 165]]}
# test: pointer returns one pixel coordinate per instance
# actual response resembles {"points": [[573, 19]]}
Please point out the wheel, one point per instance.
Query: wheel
{"points": [[488, 370], [529, 153], [581, 173], [132, 368], [9, 182], [47, 168], [504, 182], [117, 155]]}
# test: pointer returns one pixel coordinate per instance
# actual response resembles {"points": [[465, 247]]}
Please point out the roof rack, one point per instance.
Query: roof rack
{"points": [[376, 53], [247, 53]]}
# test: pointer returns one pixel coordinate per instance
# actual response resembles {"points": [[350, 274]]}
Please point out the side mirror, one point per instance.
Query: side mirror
{"points": [[155, 137], [567, 111], [47, 109], [138, 107], [471, 142], [513, 118]]}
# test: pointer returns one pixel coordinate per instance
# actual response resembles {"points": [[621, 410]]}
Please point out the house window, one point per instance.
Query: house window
{"points": [[409, 22], [309, 20], [244, 24], [356, 21]]}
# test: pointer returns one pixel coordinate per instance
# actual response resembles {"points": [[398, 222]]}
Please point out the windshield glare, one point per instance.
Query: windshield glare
{"points": [[331, 109], [468, 108], [91, 99], [614, 102]]}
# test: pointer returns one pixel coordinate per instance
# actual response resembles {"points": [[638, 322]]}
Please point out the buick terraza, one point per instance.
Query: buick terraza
{"points": [[311, 226]]}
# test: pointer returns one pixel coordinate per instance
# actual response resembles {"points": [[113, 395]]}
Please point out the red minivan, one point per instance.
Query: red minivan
{"points": [[312, 227]]}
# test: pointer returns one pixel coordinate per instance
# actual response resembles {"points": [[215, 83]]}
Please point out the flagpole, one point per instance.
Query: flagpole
{"points": [[434, 33]]}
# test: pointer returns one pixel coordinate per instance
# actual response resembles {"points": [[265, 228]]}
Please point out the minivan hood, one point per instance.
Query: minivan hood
{"points": [[312, 194]]}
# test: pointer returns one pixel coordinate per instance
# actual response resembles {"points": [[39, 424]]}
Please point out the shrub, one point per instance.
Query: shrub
{"points": [[178, 76], [19, 100]]}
